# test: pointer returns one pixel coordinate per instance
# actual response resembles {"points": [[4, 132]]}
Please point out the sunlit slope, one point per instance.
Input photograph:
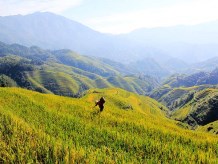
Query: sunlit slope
{"points": [[46, 128], [59, 83], [175, 98], [64, 72], [210, 128], [178, 90], [69, 83]]}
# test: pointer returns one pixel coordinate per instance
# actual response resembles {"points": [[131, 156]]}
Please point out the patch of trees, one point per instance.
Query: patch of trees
{"points": [[6, 81], [14, 68]]}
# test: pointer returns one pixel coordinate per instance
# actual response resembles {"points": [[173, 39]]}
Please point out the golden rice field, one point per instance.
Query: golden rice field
{"points": [[44, 128]]}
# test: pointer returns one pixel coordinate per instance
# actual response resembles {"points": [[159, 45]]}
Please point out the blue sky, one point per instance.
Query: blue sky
{"points": [[120, 16]]}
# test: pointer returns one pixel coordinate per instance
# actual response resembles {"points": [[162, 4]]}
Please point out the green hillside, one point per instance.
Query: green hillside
{"points": [[209, 128], [199, 78], [201, 109], [6, 81], [177, 89], [44, 128], [64, 72], [189, 102], [176, 97]]}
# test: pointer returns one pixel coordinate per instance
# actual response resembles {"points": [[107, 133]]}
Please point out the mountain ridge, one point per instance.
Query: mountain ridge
{"points": [[51, 31], [65, 72]]}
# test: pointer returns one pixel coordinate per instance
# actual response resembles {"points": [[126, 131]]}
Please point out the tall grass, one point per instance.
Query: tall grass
{"points": [[52, 129]]}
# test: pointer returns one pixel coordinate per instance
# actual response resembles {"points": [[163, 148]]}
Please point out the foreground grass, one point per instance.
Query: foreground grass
{"points": [[39, 128]]}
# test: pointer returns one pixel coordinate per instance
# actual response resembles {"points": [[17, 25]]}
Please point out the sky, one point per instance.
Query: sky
{"points": [[120, 16]]}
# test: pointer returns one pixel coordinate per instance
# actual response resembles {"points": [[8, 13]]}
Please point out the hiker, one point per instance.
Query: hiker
{"points": [[100, 103]]}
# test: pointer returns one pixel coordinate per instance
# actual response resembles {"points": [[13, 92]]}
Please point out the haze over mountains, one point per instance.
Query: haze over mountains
{"points": [[188, 43], [65, 72], [47, 53], [182, 44]]}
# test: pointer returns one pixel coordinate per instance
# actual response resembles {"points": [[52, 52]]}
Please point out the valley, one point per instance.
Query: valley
{"points": [[180, 125], [160, 88], [65, 72]]}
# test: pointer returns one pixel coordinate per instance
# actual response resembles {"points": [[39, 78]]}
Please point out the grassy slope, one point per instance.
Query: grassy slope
{"points": [[65, 80], [85, 63], [64, 72], [175, 98], [60, 79], [171, 96], [202, 108], [46, 128], [210, 128]]}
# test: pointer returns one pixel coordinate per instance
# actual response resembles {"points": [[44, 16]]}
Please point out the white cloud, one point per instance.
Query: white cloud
{"points": [[192, 12], [13, 7]]}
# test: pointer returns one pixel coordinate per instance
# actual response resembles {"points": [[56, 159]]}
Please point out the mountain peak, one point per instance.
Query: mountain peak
{"points": [[46, 13], [46, 30]]}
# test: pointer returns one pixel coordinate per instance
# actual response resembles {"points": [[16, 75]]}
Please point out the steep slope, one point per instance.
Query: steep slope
{"points": [[201, 109], [179, 80], [191, 98], [64, 72], [209, 128], [85, 63], [191, 80], [211, 78], [174, 98], [65, 57], [49, 129]]}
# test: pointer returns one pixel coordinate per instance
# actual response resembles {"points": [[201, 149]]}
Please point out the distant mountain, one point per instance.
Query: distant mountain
{"points": [[175, 65], [189, 43], [185, 80], [199, 78], [64, 72], [207, 65], [51, 31], [159, 68], [171, 47], [47, 30], [149, 66]]}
